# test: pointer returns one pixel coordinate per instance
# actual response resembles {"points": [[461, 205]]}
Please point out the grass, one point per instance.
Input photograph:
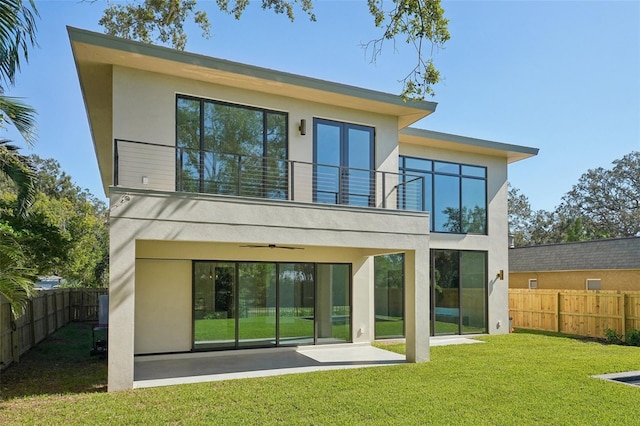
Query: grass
{"points": [[521, 378], [59, 365], [261, 327]]}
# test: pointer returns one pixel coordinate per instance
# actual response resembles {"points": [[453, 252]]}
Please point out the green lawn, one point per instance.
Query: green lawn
{"points": [[261, 327], [514, 379]]}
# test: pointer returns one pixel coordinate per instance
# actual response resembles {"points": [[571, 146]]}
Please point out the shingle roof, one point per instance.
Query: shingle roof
{"points": [[617, 253]]}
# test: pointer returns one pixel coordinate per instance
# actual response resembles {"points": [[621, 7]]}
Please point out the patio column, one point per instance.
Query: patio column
{"points": [[417, 306], [122, 259]]}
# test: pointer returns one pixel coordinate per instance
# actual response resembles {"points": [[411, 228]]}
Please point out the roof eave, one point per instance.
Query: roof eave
{"points": [[434, 139]]}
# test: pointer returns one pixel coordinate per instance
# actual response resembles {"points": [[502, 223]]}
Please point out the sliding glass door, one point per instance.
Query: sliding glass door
{"points": [[333, 316], [458, 292], [296, 303], [262, 304], [214, 312], [256, 304]]}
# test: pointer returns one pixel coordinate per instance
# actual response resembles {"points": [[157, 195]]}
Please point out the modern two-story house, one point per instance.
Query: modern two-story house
{"points": [[253, 208]]}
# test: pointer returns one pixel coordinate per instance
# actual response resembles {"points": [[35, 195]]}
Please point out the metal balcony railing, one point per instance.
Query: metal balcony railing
{"points": [[155, 166]]}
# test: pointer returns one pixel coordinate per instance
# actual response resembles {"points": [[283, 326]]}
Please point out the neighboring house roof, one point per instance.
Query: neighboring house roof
{"points": [[616, 253]]}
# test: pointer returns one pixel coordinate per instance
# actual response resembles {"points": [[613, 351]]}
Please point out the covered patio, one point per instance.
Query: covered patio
{"points": [[175, 369]]}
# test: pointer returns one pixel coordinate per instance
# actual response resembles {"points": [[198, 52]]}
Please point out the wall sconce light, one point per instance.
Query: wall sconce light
{"points": [[500, 274], [145, 180], [303, 127]]}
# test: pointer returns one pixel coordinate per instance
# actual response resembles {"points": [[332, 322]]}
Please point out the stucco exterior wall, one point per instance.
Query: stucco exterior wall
{"points": [[624, 280], [150, 98], [151, 228], [495, 243], [163, 305]]}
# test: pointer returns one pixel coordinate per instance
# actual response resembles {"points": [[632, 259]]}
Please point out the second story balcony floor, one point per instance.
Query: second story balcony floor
{"points": [[151, 166]]}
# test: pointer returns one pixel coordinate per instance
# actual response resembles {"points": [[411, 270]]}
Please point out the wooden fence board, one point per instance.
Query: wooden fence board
{"points": [[45, 313], [580, 312]]}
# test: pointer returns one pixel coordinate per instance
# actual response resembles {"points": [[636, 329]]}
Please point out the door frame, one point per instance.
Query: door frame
{"points": [[344, 166]]}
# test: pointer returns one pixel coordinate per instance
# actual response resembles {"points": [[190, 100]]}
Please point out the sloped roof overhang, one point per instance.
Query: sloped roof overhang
{"points": [[95, 54], [448, 141]]}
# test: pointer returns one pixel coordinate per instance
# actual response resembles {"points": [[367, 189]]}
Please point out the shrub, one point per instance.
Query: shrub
{"points": [[633, 337], [612, 337]]}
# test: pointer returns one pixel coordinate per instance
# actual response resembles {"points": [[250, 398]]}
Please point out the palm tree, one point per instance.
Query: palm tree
{"points": [[16, 279], [19, 169], [17, 35]]}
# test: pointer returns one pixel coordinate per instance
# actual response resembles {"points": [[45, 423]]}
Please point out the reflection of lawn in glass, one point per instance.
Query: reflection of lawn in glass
{"points": [[260, 327], [389, 327], [452, 328]]}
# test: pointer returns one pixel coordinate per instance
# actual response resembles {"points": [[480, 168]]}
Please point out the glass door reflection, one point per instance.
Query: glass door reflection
{"points": [[214, 323], [296, 311], [256, 304]]}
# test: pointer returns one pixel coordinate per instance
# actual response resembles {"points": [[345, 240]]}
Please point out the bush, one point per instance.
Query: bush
{"points": [[633, 337], [612, 337]]}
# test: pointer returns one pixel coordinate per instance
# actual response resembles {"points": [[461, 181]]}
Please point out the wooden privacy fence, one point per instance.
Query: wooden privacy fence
{"points": [[578, 312], [45, 313]]}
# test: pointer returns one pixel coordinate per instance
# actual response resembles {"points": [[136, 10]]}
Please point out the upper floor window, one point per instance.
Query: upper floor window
{"points": [[455, 194], [343, 163], [230, 149]]}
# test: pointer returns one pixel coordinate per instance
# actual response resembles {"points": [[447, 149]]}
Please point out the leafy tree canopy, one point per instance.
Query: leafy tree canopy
{"points": [[419, 23], [66, 232], [605, 203]]}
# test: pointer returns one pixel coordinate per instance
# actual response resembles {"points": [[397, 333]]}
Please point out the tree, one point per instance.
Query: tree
{"points": [[607, 201], [17, 34], [66, 232], [16, 279], [520, 216], [419, 23], [19, 170]]}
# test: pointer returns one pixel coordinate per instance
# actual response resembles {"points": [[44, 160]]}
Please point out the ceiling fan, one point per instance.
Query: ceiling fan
{"points": [[272, 246]]}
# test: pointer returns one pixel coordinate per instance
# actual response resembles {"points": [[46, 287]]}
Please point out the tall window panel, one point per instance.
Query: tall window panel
{"points": [[230, 149], [458, 292], [454, 194], [389, 295]]}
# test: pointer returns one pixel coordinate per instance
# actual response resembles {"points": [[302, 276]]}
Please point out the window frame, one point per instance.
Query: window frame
{"points": [[265, 118], [343, 194], [402, 159], [460, 274], [598, 280], [531, 285]]}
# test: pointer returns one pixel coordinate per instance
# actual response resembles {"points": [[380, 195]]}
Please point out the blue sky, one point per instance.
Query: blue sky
{"points": [[562, 76]]}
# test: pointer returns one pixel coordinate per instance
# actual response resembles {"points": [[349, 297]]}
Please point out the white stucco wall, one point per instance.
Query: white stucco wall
{"points": [[495, 243], [144, 111], [149, 228]]}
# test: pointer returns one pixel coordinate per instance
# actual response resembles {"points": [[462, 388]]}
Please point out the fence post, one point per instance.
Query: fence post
{"points": [[15, 341], [32, 323], [45, 308], [558, 297], [55, 309], [623, 314]]}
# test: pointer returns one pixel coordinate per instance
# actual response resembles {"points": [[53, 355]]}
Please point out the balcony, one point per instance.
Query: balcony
{"points": [[152, 166]]}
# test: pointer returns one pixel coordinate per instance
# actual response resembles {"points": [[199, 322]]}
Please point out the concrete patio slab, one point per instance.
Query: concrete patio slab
{"points": [[174, 369]]}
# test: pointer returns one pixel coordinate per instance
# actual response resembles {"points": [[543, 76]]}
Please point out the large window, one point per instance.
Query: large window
{"points": [[458, 292], [455, 194], [389, 295], [230, 149], [264, 304]]}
